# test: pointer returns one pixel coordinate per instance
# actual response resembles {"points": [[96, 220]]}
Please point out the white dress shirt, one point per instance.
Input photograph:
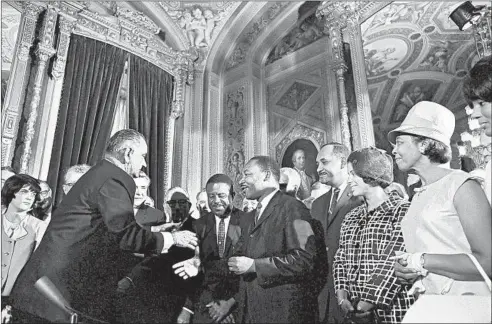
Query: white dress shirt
{"points": [[265, 201]]}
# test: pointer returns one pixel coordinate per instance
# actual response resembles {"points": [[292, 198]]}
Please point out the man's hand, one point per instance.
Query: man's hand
{"points": [[346, 307], [185, 239], [148, 201], [404, 275], [7, 314], [124, 285], [184, 317], [240, 265], [188, 268], [218, 311]]}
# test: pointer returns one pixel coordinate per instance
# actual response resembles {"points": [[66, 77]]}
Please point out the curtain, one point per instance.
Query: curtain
{"points": [[150, 99], [90, 90]]}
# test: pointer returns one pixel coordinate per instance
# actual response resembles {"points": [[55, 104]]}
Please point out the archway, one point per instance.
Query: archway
{"points": [[310, 151]]}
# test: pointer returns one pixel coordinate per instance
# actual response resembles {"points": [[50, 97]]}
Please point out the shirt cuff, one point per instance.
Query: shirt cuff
{"points": [[168, 241], [189, 311]]}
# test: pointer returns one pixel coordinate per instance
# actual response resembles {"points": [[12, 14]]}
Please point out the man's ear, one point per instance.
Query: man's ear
{"points": [[268, 175], [126, 154]]}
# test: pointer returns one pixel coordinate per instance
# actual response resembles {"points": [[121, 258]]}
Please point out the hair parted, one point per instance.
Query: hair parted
{"points": [[125, 138], [340, 151], [17, 182]]}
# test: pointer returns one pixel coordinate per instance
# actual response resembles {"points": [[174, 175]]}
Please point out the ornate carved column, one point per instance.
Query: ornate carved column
{"points": [[340, 67], [177, 111], [44, 51], [362, 117], [18, 79], [43, 145]]}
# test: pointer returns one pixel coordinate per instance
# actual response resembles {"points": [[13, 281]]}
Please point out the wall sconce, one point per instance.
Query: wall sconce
{"points": [[466, 16]]}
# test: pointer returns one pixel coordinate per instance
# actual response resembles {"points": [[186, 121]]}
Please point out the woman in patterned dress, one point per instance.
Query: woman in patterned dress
{"points": [[366, 287]]}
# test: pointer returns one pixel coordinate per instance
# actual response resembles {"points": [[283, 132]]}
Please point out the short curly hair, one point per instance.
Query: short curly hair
{"points": [[478, 84], [436, 151], [17, 182]]}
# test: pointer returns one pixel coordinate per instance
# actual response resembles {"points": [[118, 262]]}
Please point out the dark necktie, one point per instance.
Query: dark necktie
{"points": [[221, 237], [257, 213], [333, 204]]}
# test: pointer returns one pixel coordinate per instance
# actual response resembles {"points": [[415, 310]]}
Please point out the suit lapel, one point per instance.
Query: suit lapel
{"points": [[343, 200], [211, 232], [267, 212], [233, 232]]}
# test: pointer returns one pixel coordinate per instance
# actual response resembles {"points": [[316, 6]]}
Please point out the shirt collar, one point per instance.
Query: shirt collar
{"points": [[266, 200], [342, 188]]}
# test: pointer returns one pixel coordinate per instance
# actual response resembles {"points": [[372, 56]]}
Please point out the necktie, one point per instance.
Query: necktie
{"points": [[334, 198], [257, 213], [221, 237]]}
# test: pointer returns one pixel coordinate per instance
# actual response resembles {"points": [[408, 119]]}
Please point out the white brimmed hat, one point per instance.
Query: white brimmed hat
{"points": [[427, 119]]}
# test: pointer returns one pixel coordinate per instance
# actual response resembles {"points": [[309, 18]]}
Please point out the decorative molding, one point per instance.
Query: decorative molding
{"points": [[44, 51], [135, 33], [19, 70], [235, 116], [66, 27], [238, 55], [198, 24]]}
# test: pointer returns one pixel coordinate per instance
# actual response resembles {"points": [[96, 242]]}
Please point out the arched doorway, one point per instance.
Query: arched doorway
{"points": [[310, 151]]}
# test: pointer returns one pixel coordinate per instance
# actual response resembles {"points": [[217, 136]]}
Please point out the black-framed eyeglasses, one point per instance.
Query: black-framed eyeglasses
{"points": [[181, 202]]}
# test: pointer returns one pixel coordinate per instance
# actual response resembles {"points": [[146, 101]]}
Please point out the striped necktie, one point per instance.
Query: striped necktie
{"points": [[221, 237], [257, 213]]}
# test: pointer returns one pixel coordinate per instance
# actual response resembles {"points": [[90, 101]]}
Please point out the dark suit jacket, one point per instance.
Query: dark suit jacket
{"points": [[328, 307], [215, 286], [81, 249], [284, 248]]}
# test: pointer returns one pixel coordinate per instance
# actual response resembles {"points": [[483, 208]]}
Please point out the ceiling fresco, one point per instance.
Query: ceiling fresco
{"points": [[414, 52]]}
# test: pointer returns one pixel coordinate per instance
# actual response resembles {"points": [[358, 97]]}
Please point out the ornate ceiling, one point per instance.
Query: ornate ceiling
{"points": [[414, 52]]}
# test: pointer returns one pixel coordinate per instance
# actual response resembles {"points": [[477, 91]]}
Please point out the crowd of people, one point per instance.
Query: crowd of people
{"points": [[349, 248]]}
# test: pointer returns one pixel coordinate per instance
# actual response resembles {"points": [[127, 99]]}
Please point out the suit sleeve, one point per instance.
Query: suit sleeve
{"points": [[382, 287], [300, 245], [116, 207]]}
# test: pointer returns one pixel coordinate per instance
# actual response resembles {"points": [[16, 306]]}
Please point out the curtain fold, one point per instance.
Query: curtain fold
{"points": [[150, 99], [90, 89]]}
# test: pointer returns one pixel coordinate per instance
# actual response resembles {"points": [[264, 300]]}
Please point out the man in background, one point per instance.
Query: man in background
{"points": [[202, 203], [330, 209], [289, 182], [73, 174]]}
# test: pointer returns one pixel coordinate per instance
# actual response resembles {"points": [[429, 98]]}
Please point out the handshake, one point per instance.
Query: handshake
{"points": [[184, 239]]}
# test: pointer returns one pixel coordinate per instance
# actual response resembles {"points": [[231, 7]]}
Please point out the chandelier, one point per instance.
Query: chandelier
{"points": [[467, 16]]}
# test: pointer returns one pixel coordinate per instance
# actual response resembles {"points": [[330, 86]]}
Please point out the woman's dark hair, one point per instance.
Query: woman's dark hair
{"points": [[436, 151], [478, 83], [17, 182]]}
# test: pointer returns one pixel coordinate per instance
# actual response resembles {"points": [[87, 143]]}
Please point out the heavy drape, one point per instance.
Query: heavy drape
{"points": [[150, 93], [90, 89]]}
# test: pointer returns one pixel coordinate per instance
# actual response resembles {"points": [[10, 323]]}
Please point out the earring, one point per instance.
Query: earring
{"points": [[422, 150]]}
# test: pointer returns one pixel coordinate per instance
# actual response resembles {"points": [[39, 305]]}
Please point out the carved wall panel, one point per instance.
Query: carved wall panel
{"points": [[235, 118]]}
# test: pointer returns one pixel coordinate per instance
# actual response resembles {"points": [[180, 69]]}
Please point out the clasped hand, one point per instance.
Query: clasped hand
{"points": [[185, 239], [240, 264], [218, 311], [404, 274]]}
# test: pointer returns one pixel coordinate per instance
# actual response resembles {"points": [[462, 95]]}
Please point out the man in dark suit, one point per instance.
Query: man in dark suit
{"points": [[276, 253], [89, 234], [218, 232], [330, 209]]}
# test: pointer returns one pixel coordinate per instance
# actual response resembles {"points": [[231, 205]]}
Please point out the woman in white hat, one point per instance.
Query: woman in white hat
{"points": [[449, 216]]}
